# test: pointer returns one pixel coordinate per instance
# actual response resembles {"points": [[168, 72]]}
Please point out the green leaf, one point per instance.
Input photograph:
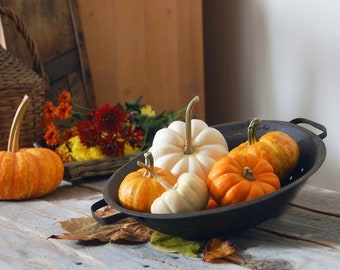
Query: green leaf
{"points": [[175, 244]]}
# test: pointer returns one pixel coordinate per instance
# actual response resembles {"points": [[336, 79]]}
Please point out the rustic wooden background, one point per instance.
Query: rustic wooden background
{"points": [[116, 50], [56, 29], [151, 48]]}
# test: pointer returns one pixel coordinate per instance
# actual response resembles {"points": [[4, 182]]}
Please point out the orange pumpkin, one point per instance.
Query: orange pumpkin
{"points": [[239, 178], [30, 172], [211, 204], [139, 189], [277, 147]]}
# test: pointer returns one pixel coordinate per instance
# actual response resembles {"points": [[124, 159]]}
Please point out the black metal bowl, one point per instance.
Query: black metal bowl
{"points": [[228, 219]]}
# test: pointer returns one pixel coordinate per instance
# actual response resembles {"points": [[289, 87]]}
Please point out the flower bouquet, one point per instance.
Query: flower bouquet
{"points": [[97, 142]]}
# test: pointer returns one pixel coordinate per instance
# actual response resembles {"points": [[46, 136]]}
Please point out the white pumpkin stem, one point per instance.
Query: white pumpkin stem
{"points": [[188, 148], [13, 140], [164, 184]]}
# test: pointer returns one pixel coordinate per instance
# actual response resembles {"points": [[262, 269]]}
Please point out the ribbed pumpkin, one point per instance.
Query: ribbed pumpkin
{"points": [[139, 189], [190, 146], [30, 172], [240, 178], [277, 147], [189, 194]]}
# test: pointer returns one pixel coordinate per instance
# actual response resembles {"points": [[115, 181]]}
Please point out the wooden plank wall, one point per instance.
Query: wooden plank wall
{"points": [[134, 48], [151, 48], [56, 29]]}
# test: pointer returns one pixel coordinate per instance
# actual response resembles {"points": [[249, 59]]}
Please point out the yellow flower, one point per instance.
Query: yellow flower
{"points": [[80, 152], [64, 152], [147, 110], [128, 149]]}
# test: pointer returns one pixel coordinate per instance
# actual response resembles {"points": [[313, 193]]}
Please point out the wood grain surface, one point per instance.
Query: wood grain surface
{"points": [[148, 48], [302, 237]]}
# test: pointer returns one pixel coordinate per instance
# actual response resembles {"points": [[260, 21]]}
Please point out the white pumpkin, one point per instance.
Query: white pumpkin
{"points": [[191, 146], [190, 193]]}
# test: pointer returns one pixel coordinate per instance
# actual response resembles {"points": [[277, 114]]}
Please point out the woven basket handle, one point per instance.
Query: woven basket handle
{"points": [[21, 28]]}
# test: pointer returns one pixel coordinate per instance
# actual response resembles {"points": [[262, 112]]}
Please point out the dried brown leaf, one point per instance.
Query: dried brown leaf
{"points": [[87, 229], [217, 248]]}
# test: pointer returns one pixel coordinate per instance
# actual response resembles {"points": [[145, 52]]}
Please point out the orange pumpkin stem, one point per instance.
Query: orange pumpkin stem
{"points": [[252, 130], [13, 140], [248, 173], [188, 148], [149, 163]]}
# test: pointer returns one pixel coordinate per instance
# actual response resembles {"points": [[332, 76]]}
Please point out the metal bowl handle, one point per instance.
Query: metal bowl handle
{"points": [[322, 135], [105, 220]]}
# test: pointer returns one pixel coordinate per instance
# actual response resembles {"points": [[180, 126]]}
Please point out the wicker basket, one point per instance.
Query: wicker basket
{"points": [[93, 168], [18, 80]]}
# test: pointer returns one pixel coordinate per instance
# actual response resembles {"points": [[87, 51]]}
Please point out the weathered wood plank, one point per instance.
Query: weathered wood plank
{"points": [[313, 215], [24, 238], [284, 242], [137, 48], [56, 28], [49, 24], [318, 199], [305, 225], [270, 251], [82, 51], [60, 67]]}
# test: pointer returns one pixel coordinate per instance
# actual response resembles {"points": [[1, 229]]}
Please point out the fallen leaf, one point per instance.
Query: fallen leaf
{"points": [[175, 244], [217, 248], [88, 229]]}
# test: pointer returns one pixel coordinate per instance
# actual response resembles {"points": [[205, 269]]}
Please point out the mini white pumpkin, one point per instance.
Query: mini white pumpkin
{"points": [[190, 193], [190, 146]]}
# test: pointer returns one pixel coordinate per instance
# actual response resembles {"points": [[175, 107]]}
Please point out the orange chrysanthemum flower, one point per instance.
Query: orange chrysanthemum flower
{"points": [[64, 111], [49, 110], [52, 135], [64, 97]]}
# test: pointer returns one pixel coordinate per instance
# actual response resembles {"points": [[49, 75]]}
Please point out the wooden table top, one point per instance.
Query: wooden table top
{"points": [[305, 236]]}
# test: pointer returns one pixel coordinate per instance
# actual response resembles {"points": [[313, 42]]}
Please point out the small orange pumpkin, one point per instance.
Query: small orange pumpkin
{"points": [[239, 178], [211, 204], [277, 147], [139, 189], [30, 172]]}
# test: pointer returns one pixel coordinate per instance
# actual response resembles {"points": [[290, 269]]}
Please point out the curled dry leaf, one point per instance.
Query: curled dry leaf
{"points": [[87, 229], [217, 248]]}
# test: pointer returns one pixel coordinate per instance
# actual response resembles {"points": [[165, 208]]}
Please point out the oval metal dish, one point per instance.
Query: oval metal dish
{"points": [[228, 219]]}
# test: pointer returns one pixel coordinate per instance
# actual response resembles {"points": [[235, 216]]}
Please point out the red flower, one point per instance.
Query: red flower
{"points": [[88, 133], [109, 118], [112, 146], [135, 136]]}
